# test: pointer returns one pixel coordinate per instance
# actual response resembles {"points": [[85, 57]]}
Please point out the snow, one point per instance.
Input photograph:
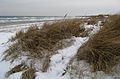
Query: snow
{"points": [[18, 27], [4, 66], [93, 28], [5, 33], [58, 62], [16, 76]]}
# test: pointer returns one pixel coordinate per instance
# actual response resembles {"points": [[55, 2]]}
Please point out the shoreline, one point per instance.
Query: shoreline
{"points": [[25, 22]]}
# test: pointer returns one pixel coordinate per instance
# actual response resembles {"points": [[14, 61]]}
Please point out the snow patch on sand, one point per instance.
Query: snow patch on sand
{"points": [[60, 61]]}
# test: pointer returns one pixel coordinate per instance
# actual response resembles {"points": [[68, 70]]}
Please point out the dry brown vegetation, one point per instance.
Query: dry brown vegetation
{"points": [[92, 20], [28, 74], [102, 51], [40, 43], [16, 69], [37, 41]]}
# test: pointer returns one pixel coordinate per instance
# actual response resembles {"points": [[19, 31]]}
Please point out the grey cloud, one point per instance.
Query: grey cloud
{"points": [[58, 7]]}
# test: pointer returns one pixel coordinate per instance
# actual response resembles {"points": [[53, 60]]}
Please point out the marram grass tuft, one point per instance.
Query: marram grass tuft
{"points": [[102, 51], [39, 43]]}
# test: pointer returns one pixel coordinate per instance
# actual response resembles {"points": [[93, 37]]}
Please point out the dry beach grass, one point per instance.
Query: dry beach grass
{"points": [[39, 43], [102, 50]]}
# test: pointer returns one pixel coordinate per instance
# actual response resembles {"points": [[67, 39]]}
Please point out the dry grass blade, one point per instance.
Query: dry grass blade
{"points": [[28, 74], [17, 68], [45, 64]]}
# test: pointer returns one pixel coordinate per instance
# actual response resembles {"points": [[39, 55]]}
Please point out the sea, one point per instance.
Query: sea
{"points": [[12, 23], [10, 20]]}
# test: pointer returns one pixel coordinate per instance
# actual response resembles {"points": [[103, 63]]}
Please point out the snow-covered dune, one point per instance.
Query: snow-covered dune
{"points": [[59, 62]]}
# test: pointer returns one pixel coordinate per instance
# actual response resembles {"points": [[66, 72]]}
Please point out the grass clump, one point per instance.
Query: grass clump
{"points": [[36, 42], [102, 51], [16, 69], [93, 20], [28, 74], [39, 43]]}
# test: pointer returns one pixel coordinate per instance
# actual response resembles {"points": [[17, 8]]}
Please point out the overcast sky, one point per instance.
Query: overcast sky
{"points": [[57, 7]]}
